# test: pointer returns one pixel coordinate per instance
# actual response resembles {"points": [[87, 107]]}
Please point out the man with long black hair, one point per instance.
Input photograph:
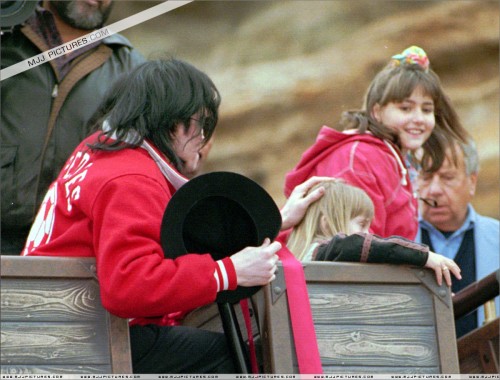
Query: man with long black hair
{"points": [[108, 202]]}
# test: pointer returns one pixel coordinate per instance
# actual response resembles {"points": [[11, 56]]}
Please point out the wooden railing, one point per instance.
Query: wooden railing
{"points": [[476, 294], [52, 319], [478, 351], [396, 290], [368, 318]]}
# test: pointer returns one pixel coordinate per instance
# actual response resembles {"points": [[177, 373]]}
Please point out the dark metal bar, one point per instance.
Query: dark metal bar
{"points": [[234, 338]]}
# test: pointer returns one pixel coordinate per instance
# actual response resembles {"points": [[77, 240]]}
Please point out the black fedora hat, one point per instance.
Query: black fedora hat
{"points": [[219, 213]]}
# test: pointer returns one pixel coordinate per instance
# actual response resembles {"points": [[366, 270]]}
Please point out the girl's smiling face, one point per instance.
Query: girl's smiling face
{"points": [[413, 119]]}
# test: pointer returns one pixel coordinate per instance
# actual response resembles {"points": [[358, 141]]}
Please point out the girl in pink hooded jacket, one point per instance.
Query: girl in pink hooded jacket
{"points": [[405, 112]]}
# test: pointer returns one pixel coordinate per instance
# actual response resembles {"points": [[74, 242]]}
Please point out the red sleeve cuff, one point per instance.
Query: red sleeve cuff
{"points": [[225, 275]]}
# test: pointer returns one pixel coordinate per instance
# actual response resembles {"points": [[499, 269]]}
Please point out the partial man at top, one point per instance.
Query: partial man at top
{"points": [[46, 109]]}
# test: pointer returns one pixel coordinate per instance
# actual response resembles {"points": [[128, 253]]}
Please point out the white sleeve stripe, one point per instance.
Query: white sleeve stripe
{"points": [[225, 280], [217, 280]]}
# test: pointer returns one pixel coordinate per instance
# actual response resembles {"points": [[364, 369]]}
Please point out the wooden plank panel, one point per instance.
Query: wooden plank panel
{"points": [[340, 303], [119, 342], [205, 318], [360, 273], [471, 364], [447, 340], [379, 370], [368, 319], [45, 266], [377, 346], [478, 350], [54, 369], [50, 300], [278, 345], [57, 343], [208, 318]]}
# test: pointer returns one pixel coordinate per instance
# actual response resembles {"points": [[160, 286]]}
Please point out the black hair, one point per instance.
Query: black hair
{"points": [[151, 101]]}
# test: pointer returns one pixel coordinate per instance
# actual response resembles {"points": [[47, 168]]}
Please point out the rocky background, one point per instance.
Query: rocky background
{"points": [[284, 68]]}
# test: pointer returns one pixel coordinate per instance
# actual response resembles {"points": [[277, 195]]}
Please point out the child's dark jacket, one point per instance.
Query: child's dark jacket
{"points": [[369, 248]]}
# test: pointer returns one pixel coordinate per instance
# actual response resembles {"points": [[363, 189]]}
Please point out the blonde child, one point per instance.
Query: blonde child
{"points": [[335, 228]]}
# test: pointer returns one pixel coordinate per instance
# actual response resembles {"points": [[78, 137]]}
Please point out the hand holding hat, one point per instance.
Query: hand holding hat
{"points": [[227, 214], [224, 213], [257, 265]]}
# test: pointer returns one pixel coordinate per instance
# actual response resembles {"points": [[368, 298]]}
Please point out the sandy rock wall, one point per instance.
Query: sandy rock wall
{"points": [[284, 68]]}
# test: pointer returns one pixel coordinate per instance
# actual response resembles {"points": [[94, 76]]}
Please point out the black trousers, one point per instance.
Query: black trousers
{"points": [[179, 349]]}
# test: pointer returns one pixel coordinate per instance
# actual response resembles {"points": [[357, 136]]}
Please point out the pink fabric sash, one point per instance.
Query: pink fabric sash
{"points": [[251, 344], [304, 336]]}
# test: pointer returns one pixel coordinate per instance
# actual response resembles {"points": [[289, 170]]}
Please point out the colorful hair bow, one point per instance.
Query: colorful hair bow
{"points": [[411, 56]]}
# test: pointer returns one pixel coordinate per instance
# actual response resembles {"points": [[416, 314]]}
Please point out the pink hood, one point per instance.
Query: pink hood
{"points": [[370, 163]]}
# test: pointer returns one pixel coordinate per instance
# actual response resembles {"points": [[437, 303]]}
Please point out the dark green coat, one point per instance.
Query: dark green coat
{"points": [[43, 119]]}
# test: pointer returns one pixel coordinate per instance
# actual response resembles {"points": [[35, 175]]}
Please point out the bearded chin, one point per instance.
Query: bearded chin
{"points": [[81, 15]]}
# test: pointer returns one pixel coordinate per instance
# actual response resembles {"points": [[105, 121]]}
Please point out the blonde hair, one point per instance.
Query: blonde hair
{"points": [[339, 205]]}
